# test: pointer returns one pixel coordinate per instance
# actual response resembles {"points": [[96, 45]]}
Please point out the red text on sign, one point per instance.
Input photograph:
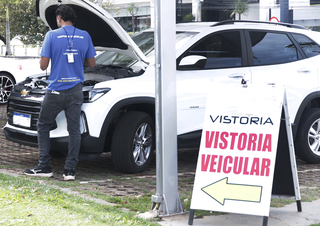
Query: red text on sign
{"points": [[235, 165], [240, 141]]}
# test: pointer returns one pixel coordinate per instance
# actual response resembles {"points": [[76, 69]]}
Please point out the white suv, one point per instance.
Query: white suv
{"points": [[118, 112]]}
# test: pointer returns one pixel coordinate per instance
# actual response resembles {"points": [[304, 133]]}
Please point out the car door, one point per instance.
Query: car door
{"points": [[217, 58], [276, 59]]}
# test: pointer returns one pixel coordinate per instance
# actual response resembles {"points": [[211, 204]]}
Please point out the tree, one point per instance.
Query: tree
{"points": [[5, 4], [27, 26], [133, 9], [240, 7], [189, 18], [23, 22], [108, 5]]}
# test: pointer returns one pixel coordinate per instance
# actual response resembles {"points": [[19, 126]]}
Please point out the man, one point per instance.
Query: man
{"points": [[69, 49]]}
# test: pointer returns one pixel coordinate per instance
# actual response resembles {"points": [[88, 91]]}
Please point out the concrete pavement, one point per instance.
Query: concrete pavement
{"points": [[284, 216]]}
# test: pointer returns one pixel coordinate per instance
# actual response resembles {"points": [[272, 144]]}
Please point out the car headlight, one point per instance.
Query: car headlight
{"points": [[83, 123], [92, 95]]}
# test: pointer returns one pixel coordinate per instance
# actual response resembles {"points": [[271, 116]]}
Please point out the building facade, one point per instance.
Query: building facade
{"points": [[303, 12]]}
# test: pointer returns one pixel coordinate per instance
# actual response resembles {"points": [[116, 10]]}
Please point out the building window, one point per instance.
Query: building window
{"points": [[314, 2]]}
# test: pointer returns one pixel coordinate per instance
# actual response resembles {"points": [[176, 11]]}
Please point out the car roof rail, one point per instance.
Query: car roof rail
{"points": [[258, 22]]}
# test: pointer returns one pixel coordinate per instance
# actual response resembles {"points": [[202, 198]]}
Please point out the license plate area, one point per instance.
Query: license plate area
{"points": [[22, 119]]}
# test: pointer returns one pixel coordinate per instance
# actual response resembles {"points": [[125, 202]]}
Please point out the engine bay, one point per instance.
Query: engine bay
{"points": [[101, 73]]}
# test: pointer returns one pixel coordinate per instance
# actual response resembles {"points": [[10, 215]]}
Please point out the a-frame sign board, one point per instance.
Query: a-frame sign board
{"points": [[246, 153]]}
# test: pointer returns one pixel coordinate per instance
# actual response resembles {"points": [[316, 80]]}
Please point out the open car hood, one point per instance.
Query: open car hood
{"points": [[105, 32]]}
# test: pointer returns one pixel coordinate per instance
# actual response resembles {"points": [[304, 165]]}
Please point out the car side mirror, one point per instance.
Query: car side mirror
{"points": [[192, 62]]}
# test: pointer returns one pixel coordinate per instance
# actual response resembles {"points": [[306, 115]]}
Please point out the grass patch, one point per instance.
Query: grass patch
{"points": [[142, 203], [310, 193], [139, 204], [5, 167], [27, 202], [275, 202]]}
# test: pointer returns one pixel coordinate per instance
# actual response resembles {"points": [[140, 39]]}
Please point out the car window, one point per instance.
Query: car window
{"points": [[114, 58], [220, 50], [272, 48], [309, 47], [145, 41]]}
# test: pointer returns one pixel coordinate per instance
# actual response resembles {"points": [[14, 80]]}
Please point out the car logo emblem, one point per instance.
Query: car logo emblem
{"points": [[24, 92]]}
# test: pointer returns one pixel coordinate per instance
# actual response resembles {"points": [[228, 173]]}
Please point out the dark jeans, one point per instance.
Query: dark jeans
{"points": [[70, 101]]}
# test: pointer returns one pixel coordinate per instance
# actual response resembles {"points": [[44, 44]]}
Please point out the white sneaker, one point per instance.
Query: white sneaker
{"points": [[69, 175]]}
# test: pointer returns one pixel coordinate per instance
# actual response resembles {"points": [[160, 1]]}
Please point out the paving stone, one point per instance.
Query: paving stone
{"points": [[15, 158]]}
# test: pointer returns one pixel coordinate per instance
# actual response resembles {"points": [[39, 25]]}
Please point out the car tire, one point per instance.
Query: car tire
{"points": [[6, 86], [308, 136], [132, 145]]}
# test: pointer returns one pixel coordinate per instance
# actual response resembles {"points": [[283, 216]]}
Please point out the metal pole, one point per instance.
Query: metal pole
{"points": [[157, 198], [198, 11], [284, 11], [167, 200]]}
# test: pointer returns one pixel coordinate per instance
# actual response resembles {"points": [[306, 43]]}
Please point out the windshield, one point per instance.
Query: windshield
{"points": [[145, 41]]}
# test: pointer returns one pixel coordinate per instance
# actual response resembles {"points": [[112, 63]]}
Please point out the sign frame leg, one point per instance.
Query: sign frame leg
{"points": [[265, 221], [191, 216], [292, 153]]}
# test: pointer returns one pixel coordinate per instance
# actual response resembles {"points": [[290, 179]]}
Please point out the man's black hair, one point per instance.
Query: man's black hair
{"points": [[66, 13]]}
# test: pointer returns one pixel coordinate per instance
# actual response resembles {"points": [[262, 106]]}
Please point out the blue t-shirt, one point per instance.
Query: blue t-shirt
{"points": [[57, 45]]}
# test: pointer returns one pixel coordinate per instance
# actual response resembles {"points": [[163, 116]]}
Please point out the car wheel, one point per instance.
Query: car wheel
{"points": [[6, 86], [308, 136], [132, 142]]}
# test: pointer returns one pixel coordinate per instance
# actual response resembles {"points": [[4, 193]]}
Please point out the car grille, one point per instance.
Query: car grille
{"points": [[31, 107]]}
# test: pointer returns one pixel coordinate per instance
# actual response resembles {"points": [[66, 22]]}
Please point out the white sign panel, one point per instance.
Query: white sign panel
{"points": [[238, 150]]}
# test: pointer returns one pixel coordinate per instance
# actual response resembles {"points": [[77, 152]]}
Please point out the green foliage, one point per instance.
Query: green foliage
{"points": [[108, 5], [133, 9], [188, 18], [23, 22], [240, 7]]}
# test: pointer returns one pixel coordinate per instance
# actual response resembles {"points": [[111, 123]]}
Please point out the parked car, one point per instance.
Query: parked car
{"points": [[118, 113], [13, 70]]}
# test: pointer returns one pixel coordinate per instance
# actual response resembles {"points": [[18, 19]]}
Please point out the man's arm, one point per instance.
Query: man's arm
{"points": [[44, 62], [90, 62]]}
